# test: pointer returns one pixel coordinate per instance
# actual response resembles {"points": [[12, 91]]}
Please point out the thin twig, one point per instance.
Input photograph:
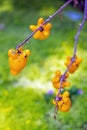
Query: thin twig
{"points": [[85, 10], [73, 58], [46, 21], [75, 47], [72, 61], [77, 35], [64, 74]]}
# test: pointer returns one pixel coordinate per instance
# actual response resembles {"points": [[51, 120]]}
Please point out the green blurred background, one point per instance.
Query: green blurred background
{"points": [[25, 100]]}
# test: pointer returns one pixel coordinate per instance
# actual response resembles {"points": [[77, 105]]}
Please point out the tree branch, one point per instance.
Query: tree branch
{"points": [[74, 54], [46, 21]]}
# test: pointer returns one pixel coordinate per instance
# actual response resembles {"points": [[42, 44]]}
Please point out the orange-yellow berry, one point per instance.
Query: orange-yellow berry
{"points": [[57, 79], [43, 31], [74, 65], [17, 60], [64, 102]]}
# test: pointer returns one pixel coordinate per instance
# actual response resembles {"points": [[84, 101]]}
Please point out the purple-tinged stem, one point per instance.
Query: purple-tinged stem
{"points": [[73, 58], [75, 45], [46, 21], [85, 10], [64, 74], [77, 35], [75, 48], [80, 28]]}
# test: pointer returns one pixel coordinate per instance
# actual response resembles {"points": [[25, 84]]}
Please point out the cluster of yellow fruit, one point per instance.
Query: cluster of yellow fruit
{"points": [[62, 101], [17, 60]]}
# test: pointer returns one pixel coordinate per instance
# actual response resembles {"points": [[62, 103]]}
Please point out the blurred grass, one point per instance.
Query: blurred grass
{"points": [[25, 108]]}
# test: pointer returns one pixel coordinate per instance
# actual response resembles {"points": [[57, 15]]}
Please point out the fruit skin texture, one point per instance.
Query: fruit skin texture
{"points": [[64, 104], [17, 60]]}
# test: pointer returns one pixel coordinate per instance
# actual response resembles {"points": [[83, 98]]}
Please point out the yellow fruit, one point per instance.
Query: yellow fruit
{"points": [[17, 60], [43, 32], [75, 64], [64, 102]]}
